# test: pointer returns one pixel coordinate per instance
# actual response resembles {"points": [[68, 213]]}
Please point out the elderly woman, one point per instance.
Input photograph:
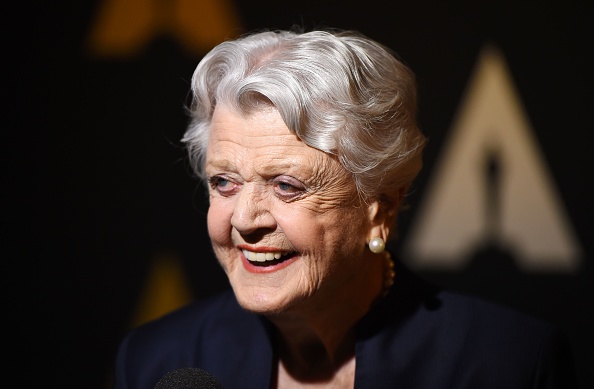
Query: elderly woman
{"points": [[308, 143]]}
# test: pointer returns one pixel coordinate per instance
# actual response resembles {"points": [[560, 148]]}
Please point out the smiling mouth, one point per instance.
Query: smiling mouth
{"points": [[267, 259]]}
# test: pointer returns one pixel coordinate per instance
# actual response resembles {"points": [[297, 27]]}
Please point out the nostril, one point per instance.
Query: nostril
{"points": [[253, 222], [256, 235]]}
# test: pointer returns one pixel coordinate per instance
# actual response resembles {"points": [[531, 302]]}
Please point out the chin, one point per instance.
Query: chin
{"points": [[263, 303]]}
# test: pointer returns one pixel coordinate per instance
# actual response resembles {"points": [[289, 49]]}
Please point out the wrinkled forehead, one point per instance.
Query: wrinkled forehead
{"points": [[260, 138], [260, 126]]}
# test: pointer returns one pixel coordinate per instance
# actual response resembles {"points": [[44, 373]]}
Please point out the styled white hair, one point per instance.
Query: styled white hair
{"points": [[338, 91]]}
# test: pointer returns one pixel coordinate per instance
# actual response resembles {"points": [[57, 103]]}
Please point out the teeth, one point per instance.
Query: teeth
{"points": [[262, 257]]}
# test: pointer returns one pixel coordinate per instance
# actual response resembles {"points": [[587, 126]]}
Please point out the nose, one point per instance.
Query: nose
{"points": [[251, 213]]}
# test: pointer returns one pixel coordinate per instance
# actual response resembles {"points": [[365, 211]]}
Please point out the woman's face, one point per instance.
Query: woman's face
{"points": [[285, 219]]}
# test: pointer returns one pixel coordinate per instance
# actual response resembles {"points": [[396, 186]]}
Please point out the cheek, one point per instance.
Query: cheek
{"points": [[333, 231], [219, 222]]}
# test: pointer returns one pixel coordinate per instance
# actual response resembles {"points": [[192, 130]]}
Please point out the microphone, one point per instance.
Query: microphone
{"points": [[188, 378]]}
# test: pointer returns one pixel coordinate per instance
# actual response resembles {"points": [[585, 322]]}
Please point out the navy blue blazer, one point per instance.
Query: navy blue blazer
{"points": [[418, 337]]}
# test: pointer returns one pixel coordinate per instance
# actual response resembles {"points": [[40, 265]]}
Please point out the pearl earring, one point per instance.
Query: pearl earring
{"points": [[377, 245]]}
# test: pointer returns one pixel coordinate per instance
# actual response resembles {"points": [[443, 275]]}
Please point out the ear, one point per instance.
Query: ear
{"points": [[382, 214]]}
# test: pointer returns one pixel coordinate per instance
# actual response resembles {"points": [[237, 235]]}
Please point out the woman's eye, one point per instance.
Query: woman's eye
{"points": [[288, 187], [284, 186], [223, 185]]}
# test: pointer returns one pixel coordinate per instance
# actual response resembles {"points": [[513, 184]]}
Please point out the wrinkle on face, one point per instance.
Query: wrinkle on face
{"points": [[326, 224]]}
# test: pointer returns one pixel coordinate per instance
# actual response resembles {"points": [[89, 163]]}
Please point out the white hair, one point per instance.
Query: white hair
{"points": [[338, 91]]}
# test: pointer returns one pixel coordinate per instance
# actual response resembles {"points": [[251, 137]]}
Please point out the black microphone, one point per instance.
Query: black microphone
{"points": [[188, 378]]}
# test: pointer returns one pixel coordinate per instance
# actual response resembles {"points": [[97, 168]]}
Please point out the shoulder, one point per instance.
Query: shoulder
{"points": [[187, 322], [501, 344], [426, 307], [461, 322], [195, 335], [473, 312], [463, 341]]}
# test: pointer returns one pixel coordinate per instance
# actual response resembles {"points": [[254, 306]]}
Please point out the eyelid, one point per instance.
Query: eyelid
{"points": [[220, 176], [289, 181], [297, 190], [215, 179]]}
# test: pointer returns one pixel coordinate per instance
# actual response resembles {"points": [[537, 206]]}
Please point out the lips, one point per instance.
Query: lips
{"points": [[267, 258]]}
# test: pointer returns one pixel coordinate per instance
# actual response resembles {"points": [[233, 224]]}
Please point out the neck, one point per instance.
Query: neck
{"points": [[312, 357], [316, 338], [302, 341]]}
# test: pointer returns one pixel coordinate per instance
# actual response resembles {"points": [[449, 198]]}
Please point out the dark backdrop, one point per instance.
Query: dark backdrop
{"points": [[96, 183]]}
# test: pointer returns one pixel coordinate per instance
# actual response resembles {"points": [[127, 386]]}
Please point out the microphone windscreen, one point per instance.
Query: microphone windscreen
{"points": [[188, 378]]}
